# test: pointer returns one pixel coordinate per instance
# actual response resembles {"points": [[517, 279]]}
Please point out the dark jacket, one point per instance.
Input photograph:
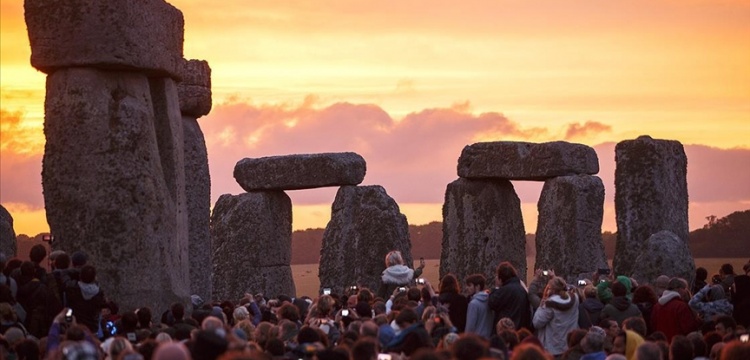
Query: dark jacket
{"points": [[511, 301], [87, 301], [410, 340], [589, 312], [41, 306], [619, 309], [457, 307], [741, 312]]}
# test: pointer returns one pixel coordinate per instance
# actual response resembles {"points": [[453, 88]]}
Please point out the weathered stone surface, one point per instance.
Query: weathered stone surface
{"points": [[198, 194], [514, 160], [251, 236], [305, 171], [195, 89], [365, 225], [651, 195], [113, 180], [664, 253], [7, 234], [569, 231], [482, 227], [116, 34]]}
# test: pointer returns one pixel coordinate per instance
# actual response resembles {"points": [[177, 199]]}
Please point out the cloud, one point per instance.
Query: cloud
{"points": [[577, 131]]}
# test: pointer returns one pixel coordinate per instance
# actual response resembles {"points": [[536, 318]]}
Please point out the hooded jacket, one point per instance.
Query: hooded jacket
{"points": [[619, 309], [589, 312], [86, 300], [554, 318], [672, 316], [741, 300], [395, 276], [707, 308], [479, 317]]}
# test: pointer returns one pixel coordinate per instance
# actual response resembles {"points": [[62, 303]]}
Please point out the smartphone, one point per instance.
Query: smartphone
{"points": [[744, 338], [603, 280], [345, 312], [581, 282], [603, 271], [545, 272], [326, 291], [382, 356], [353, 287], [420, 281], [69, 316], [402, 289]]}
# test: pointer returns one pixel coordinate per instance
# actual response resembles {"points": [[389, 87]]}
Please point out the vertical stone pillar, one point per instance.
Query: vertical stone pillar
{"points": [[569, 231], [365, 225], [251, 236], [650, 195], [482, 227], [7, 234], [113, 171], [195, 101]]}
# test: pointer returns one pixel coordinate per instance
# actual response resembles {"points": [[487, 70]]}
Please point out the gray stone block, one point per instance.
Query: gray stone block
{"points": [[7, 234], [664, 253], [513, 160], [365, 225], [651, 195], [195, 89], [304, 171], [144, 35], [482, 227], [249, 232], [198, 194], [569, 231]]}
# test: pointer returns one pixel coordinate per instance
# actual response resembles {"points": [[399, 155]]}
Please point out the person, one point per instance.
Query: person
{"points": [[626, 343], [620, 307], [37, 299], [741, 300], [589, 312], [412, 336], [644, 297], [396, 274], [9, 281], [701, 275], [671, 314], [479, 317], [556, 316], [509, 298], [726, 273], [593, 344], [85, 297], [450, 296], [710, 302], [725, 327]]}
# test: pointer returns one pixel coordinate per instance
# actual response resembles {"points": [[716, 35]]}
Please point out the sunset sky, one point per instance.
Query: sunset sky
{"points": [[407, 84]]}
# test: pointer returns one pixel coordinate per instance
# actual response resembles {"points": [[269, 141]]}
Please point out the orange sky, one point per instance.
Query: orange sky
{"points": [[426, 78]]}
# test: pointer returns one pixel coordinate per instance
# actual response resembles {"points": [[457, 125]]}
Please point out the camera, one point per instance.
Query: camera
{"points": [[402, 289], [420, 281], [545, 272], [326, 291], [69, 316], [744, 338], [345, 312], [110, 328], [382, 356], [603, 271], [353, 288], [581, 282]]}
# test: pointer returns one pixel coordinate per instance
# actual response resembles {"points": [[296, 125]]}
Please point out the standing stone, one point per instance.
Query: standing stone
{"points": [[482, 226], [144, 35], [569, 231], [251, 235], [195, 101], [365, 225], [294, 172], [664, 253], [7, 234], [114, 182], [651, 195], [514, 160]]}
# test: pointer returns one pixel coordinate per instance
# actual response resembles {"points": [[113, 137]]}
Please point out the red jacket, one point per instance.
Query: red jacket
{"points": [[672, 316]]}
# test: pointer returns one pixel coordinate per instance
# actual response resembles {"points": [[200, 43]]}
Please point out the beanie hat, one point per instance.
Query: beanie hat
{"points": [[363, 309]]}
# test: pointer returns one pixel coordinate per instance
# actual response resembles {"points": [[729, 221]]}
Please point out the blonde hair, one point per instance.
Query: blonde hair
{"points": [[393, 258], [557, 285]]}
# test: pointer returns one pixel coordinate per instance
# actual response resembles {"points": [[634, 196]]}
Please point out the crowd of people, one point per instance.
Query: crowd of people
{"points": [[64, 314]]}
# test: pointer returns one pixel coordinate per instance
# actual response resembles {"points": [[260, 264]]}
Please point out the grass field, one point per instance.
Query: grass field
{"points": [[306, 276]]}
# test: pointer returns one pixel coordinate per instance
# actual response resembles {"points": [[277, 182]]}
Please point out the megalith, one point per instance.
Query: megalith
{"points": [[8, 245], [664, 253], [482, 226], [194, 92], [651, 195], [113, 170], [513, 160], [251, 236], [569, 231], [300, 171], [365, 225]]}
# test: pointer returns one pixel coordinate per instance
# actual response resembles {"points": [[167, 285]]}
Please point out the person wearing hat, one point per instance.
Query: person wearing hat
{"points": [[671, 314], [710, 302], [593, 344]]}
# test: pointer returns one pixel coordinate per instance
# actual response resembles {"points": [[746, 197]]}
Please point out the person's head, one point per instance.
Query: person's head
{"points": [[716, 351], [117, 346], [62, 260], [291, 313], [610, 326], [144, 317], [736, 350], [636, 324], [619, 289], [725, 325], [449, 284], [589, 292], [716, 293], [648, 351], [240, 313], [528, 351], [594, 340], [574, 337], [88, 274], [506, 271], [475, 283], [726, 269], [470, 347], [79, 259], [645, 294], [7, 314], [699, 345], [676, 284], [37, 253], [324, 306], [701, 274], [557, 286], [406, 317], [681, 348], [394, 258], [510, 337], [365, 349]]}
